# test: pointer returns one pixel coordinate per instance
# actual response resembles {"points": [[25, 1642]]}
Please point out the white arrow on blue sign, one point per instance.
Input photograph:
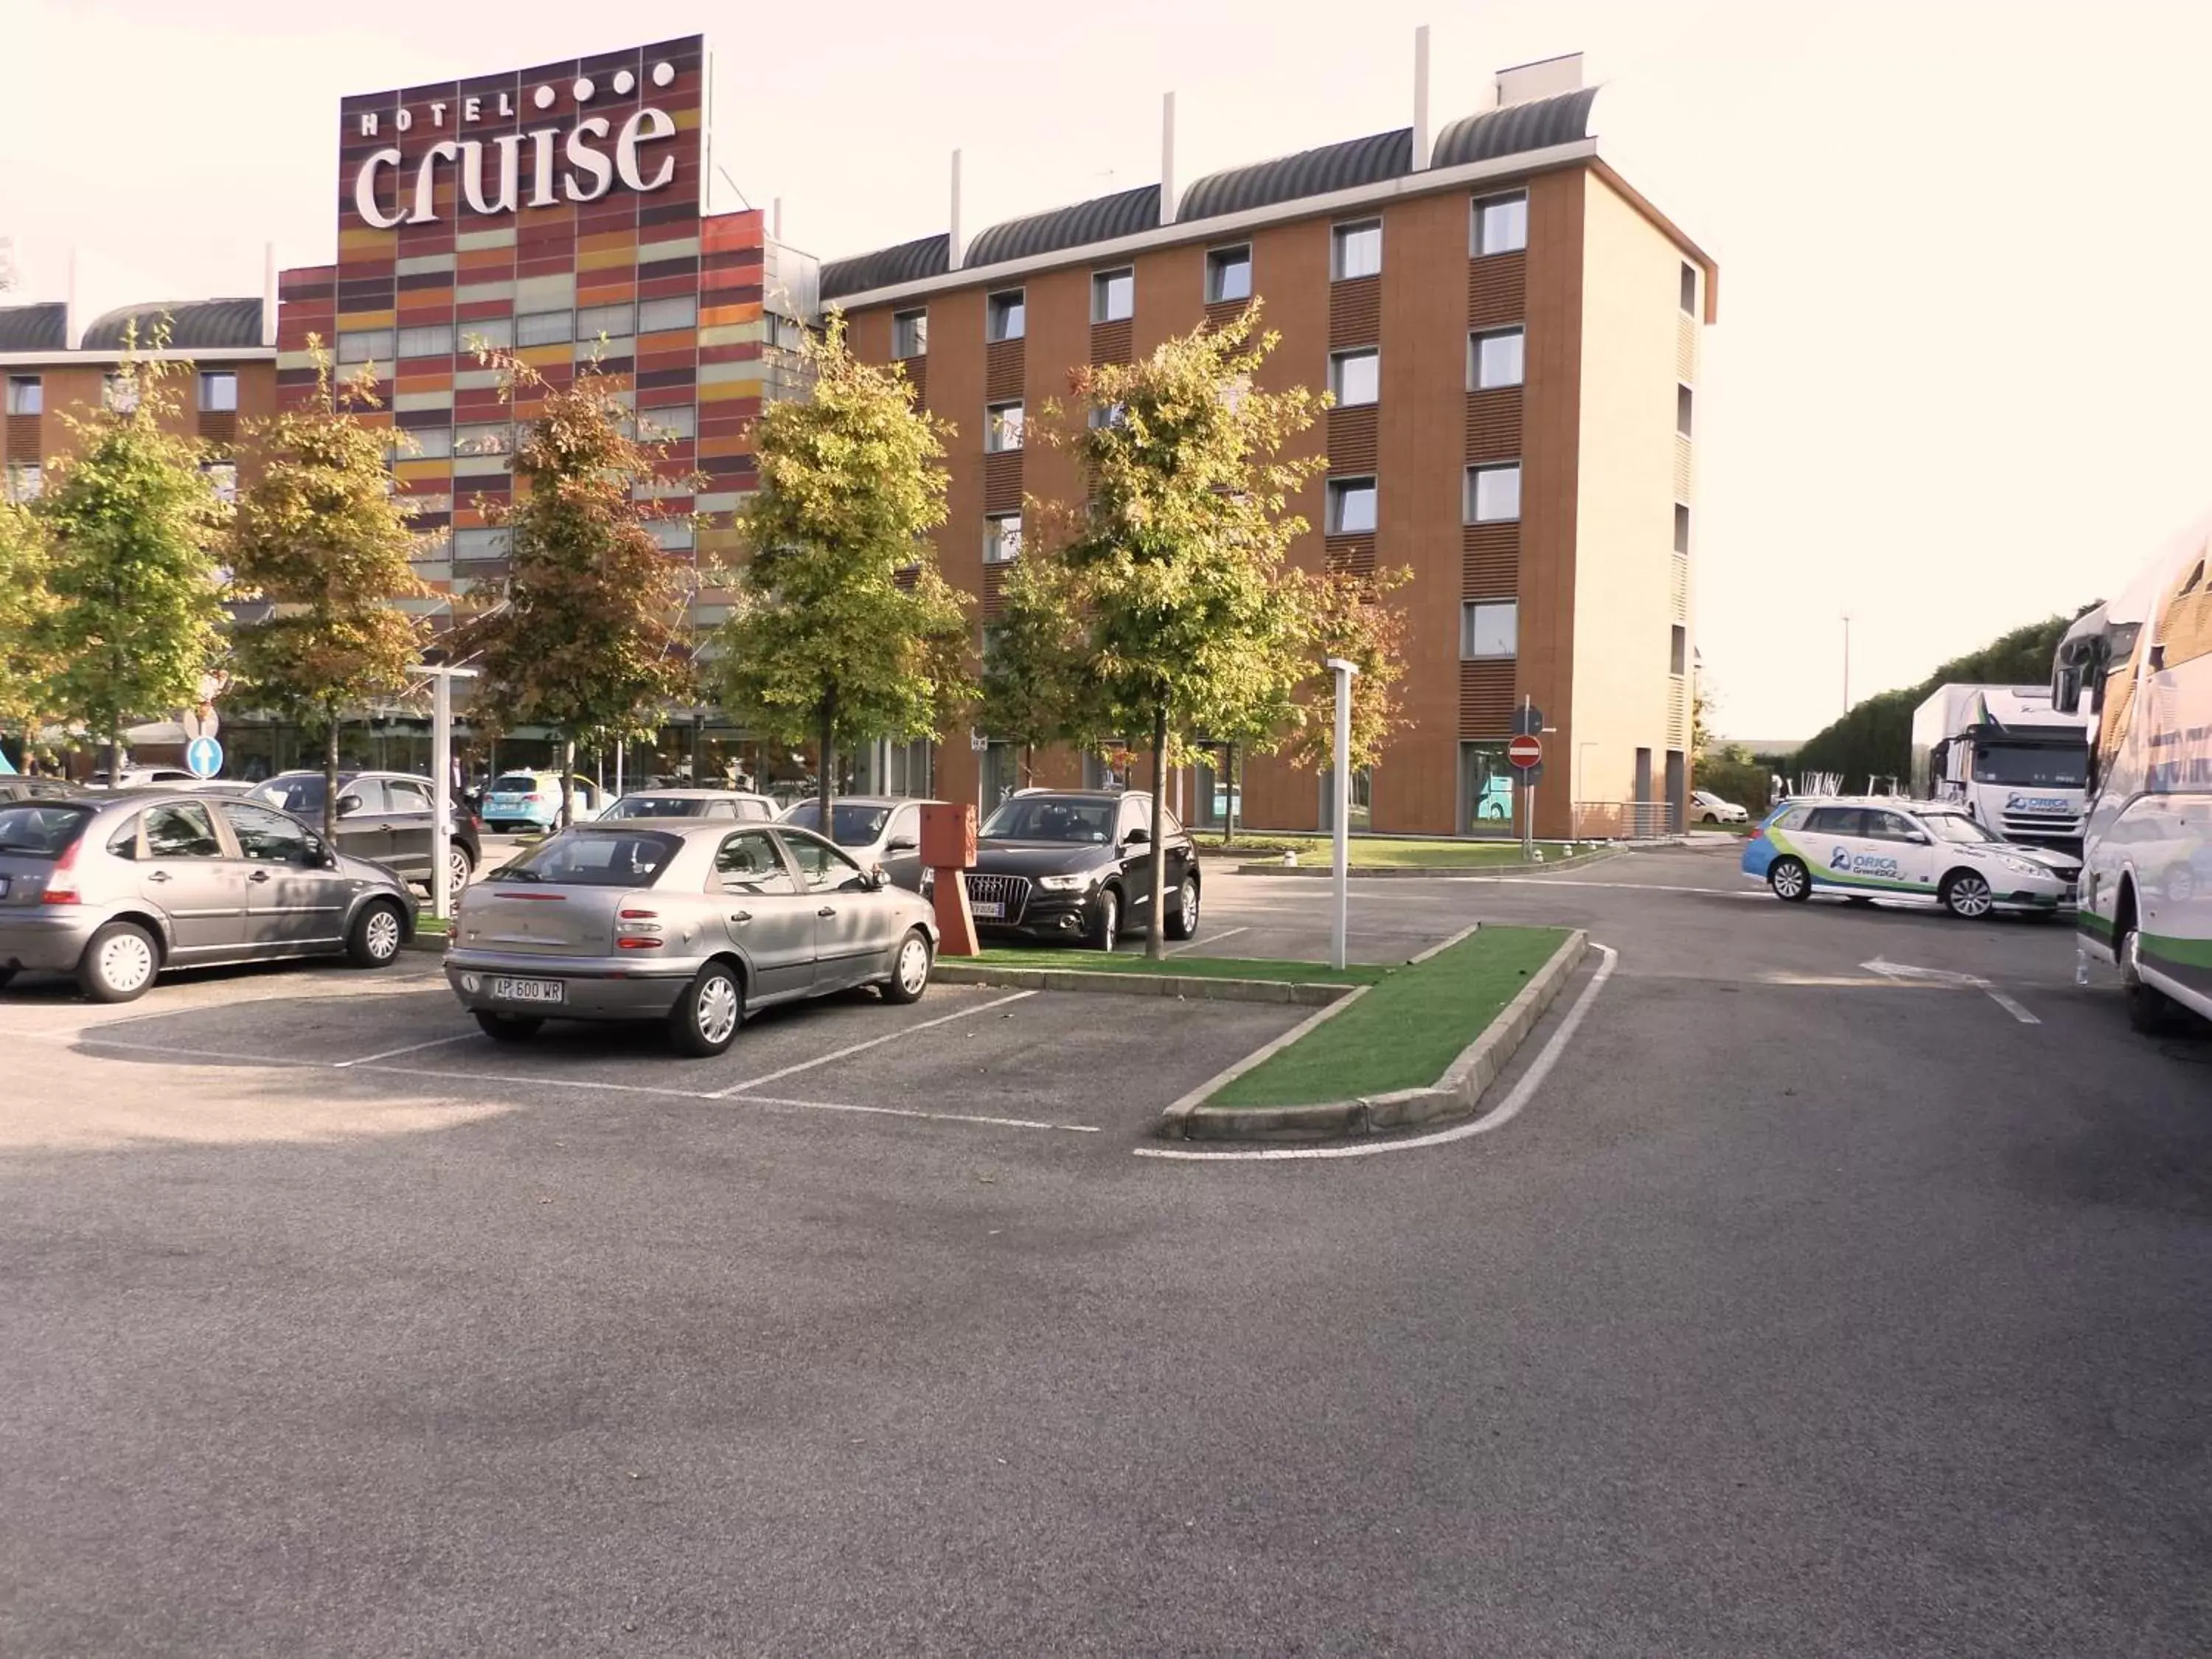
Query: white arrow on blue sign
{"points": [[203, 757]]}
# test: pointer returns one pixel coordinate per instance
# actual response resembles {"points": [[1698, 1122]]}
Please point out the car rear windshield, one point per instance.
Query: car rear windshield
{"points": [[596, 858], [513, 783], [1047, 818], [301, 794], [850, 823], [41, 830], [657, 806]]}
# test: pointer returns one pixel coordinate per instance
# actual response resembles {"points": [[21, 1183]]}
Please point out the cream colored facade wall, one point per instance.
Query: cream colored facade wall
{"points": [[1628, 591]]}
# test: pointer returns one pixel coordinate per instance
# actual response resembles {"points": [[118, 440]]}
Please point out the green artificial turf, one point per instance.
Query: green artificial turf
{"points": [[1127, 960], [1406, 1029]]}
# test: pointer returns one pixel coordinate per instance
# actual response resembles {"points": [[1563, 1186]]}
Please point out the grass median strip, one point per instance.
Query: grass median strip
{"points": [[1406, 1031], [1184, 966]]}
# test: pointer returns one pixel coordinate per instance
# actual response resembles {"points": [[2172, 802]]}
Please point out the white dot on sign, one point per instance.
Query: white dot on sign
{"points": [[624, 82], [663, 74], [583, 91], [542, 97]]}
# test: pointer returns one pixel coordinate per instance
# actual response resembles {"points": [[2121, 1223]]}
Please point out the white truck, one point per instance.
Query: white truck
{"points": [[2019, 765]]}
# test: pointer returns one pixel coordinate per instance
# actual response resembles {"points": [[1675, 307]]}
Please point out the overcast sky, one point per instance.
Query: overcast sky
{"points": [[1963, 376]]}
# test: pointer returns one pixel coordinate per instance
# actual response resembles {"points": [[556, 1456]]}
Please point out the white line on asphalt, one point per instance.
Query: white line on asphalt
{"points": [[1627, 886], [872, 1042], [2011, 1006], [1907, 971], [1226, 932], [411, 1048], [910, 1111], [1507, 1110]]}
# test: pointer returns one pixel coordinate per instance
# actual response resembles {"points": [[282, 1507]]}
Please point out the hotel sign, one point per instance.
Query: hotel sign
{"points": [[540, 138]]}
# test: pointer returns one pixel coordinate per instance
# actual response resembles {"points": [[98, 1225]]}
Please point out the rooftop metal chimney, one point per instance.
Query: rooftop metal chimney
{"points": [[1167, 159], [952, 245], [269, 293], [1547, 77], [1422, 136]]}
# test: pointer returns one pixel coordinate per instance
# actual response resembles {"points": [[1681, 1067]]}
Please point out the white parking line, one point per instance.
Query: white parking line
{"points": [[1226, 932], [872, 1042], [931, 1117], [1507, 1109], [1907, 972], [411, 1048]]}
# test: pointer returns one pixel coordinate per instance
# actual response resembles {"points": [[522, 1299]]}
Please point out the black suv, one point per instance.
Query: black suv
{"points": [[386, 818], [1077, 864]]}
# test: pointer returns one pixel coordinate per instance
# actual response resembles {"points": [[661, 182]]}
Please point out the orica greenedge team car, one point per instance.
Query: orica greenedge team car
{"points": [[1910, 852]]}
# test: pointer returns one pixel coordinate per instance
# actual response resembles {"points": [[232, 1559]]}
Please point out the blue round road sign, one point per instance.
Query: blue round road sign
{"points": [[203, 757]]}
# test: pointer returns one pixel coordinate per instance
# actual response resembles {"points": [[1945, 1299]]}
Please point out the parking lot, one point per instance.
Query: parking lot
{"points": [[1846, 1265]]}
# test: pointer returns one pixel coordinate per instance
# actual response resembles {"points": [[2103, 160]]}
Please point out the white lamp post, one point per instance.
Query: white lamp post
{"points": [[442, 778], [1340, 793]]}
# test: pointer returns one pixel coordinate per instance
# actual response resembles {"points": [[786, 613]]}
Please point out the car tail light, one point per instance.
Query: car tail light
{"points": [[637, 944], [637, 930], [539, 795], [61, 886]]}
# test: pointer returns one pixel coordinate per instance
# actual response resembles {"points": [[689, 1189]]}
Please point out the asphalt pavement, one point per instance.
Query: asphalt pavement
{"points": [[1808, 1308]]}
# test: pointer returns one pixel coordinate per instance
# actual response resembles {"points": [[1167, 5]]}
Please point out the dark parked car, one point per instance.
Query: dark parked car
{"points": [[1077, 864], [384, 816]]}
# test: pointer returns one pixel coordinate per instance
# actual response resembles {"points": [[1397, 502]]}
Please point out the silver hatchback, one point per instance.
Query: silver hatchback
{"points": [[116, 887], [686, 920]]}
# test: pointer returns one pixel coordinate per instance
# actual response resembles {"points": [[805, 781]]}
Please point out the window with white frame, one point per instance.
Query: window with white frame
{"points": [[1493, 359], [480, 543], [1103, 415], [1501, 224], [674, 535], [616, 322], [675, 421], [1683, 410], [26, 394], [1351, 507], [218, 392], [25, 480], [1005, 315], [910, 334], [1002, 428], [1113, 295], [1493, 492], [1355, 250], [540, 328], [223, 478], [432, 443], [658, 316], [1678, 649], [1229, 274], [431, 340], [1002, 538], [119, 392], [489, 440], [1489, 628], [1355, 377], [488, 334], [365, 345], [1689, 288], [1681, 528]]}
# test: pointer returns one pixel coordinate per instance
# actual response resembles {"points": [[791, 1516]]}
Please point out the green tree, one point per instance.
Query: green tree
{"points": [[1178, 564], [319, 546], [843, 630], [1347, 617], [1038, 687], [132, 523], [27, 606], [585, 633]]}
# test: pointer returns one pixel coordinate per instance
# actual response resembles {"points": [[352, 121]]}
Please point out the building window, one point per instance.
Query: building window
{"points": [[480, 544], [1494, 494], [219, 392], [1002, 428], [1113, 296], [542, 328], [673, 535], [1006, 317], [1002, 538], [25, 480], [616, 322], [1501, 224], [1355, 377], [1493, 359], [436, 340], [660, 425], [1355, 250], [1681, 528], [1689, 288], [658, 316], [910, 334], [1106, 415], [1682, 411], [1351, 507], [365, 345], [483, 440], [488, 334], [1228, 274], [119, 392], [1678, 647], [432, 443], [26, 394], [222, 477], [1486, 790], [1489, 628]]}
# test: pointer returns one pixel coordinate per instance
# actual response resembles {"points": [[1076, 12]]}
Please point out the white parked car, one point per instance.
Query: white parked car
{"points": [[1706, 807], [1913, 852]]}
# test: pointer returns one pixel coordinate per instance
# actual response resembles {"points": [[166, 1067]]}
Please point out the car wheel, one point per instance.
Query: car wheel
{"points": [[1965, 894], [2151, 1012], [119, 963], [704, 1021], [1106, 925], [910, 969], [508, 1027], [459, 866], [1790, 881], [1182, 921], [378, 933]]}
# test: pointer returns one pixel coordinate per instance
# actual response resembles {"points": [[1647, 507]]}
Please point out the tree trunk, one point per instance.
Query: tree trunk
{"points": [[1028, 766], [826, 761], [1229, 776], [330, 778], [568, 771], [115, 754], [1155, 937]]}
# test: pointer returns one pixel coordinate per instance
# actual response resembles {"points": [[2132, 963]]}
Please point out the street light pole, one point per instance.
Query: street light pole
{"points": [[442, 677], [1340, 793], [1847, 662]]}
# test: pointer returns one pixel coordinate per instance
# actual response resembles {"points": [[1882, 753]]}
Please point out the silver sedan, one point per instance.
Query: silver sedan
{"points": [[685, 920]]}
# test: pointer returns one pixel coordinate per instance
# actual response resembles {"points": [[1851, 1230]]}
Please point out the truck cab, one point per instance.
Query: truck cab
{"points": [[2015, 763]]}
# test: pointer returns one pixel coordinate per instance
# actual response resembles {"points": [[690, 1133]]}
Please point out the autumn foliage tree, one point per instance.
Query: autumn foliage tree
{"points": [[319, 552], [585, 632], [1036, 684], [1347, 614], [843, 630], [27, 605]]}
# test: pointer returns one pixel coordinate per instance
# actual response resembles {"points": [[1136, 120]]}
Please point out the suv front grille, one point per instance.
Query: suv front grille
{"points": [[1011, 893]]}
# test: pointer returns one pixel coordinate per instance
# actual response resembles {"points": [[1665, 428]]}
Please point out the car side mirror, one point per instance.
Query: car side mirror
{"points": [[902, 844], [318, 855], [1138, 838], [348, 805]]}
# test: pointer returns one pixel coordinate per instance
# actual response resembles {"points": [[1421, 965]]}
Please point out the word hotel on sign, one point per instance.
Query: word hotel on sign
{"points": [[588, 173]]}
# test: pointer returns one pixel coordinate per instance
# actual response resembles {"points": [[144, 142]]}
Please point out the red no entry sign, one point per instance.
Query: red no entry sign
{"points": [[1525, 752]]}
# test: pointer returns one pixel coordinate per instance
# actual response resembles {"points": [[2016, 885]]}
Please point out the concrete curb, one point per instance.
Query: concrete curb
{"points": [[1425, 871], [1457, 1094], [1191, 988]]}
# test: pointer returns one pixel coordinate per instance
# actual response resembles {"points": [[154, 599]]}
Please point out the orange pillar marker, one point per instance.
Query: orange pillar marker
{"points": [[948, 847]]}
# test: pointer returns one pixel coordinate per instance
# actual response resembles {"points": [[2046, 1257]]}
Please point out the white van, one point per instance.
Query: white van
{"points": [[1908, 852], [2143, 664]]}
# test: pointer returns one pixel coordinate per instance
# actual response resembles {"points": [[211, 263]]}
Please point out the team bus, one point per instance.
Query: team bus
{"points": [[2142, 665]]}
